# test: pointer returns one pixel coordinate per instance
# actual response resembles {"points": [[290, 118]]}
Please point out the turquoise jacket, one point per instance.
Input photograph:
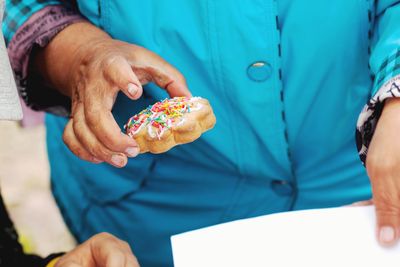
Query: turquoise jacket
{"points": [[287, 80]]}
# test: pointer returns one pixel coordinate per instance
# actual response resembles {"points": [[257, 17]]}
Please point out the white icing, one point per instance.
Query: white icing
{"points": [[153, 132], [182, 121]]}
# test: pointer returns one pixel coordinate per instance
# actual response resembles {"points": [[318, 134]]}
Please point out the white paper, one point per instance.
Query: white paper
{"points": [[324, 237]]}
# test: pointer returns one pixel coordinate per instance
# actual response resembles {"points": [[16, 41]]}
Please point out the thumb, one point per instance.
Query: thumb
{"points": [[119, 73], [387, 207]]}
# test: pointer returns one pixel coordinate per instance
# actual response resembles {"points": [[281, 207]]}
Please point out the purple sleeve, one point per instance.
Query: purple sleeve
{"points": [[38, 31]]}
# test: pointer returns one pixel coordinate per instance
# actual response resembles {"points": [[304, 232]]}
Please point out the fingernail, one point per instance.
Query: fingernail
{"points": [[386, 235], [132, 151], [132, 89], [118, 160]]}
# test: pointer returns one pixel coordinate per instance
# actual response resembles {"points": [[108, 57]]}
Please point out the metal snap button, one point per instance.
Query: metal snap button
{"points": [[259, 71]]}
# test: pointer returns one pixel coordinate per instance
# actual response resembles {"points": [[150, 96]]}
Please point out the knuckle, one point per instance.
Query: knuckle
{"points": [[181, 78], [99, 151], [154, 72], [108, 63], [104, 235], [76, 127], [387, 202], [125, 244], [76, 149], [110, 140], [113, 69], [91, 119], [389, 210], [107, 237], [66, 138]]}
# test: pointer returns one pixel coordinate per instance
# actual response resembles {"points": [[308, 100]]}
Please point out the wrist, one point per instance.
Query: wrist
{"points": [[391, 105], [390, 115], [392, 101], [55, 62]]}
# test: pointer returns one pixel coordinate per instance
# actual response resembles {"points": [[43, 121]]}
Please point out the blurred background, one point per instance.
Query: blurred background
{"points": [[24, 182]]}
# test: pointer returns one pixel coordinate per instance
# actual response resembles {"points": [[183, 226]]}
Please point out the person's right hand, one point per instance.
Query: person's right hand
{"points": [[102, 250], [94, 71]]}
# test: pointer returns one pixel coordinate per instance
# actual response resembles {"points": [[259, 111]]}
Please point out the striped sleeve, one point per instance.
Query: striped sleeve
{"points": [[19, 11], [28, 25]]}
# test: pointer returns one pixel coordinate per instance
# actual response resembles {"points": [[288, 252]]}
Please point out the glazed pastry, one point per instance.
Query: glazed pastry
{"points": [[170, 122]]}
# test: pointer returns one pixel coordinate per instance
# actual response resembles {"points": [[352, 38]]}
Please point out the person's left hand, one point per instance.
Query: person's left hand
{"points": [[102, 250], [383, 166]]}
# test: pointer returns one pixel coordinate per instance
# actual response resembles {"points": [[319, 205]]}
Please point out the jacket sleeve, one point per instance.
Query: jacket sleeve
{"points": [[385, 68], [18, 12], [28, 25]]}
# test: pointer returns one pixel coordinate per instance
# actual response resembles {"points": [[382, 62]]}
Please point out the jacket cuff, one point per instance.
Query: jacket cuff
{"points": [[38, 31], [371, 112]]}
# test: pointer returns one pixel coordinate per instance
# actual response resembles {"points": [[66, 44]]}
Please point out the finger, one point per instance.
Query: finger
{"points": [[115, 258], [75, 146], [159, 71], [92, 144], [119, 73], [101, 123], [166, 77], [131, 261], [387, 206], [153, 68], [107, 251]]}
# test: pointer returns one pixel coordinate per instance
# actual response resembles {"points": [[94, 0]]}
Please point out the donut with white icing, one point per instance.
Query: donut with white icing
{"points": [[170, 122]]}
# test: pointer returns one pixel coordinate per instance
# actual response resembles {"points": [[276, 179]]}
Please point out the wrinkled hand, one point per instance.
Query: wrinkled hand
{"points": [[102, 250], [383, 166], [98, 67]]}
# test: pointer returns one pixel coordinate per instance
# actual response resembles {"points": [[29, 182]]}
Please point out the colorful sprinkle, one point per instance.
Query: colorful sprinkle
{"points": [[162, 115]]}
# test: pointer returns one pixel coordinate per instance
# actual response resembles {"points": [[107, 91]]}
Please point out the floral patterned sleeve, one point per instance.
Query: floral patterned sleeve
{"points": [[29, 24], [369, 116], [384, 63]]}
